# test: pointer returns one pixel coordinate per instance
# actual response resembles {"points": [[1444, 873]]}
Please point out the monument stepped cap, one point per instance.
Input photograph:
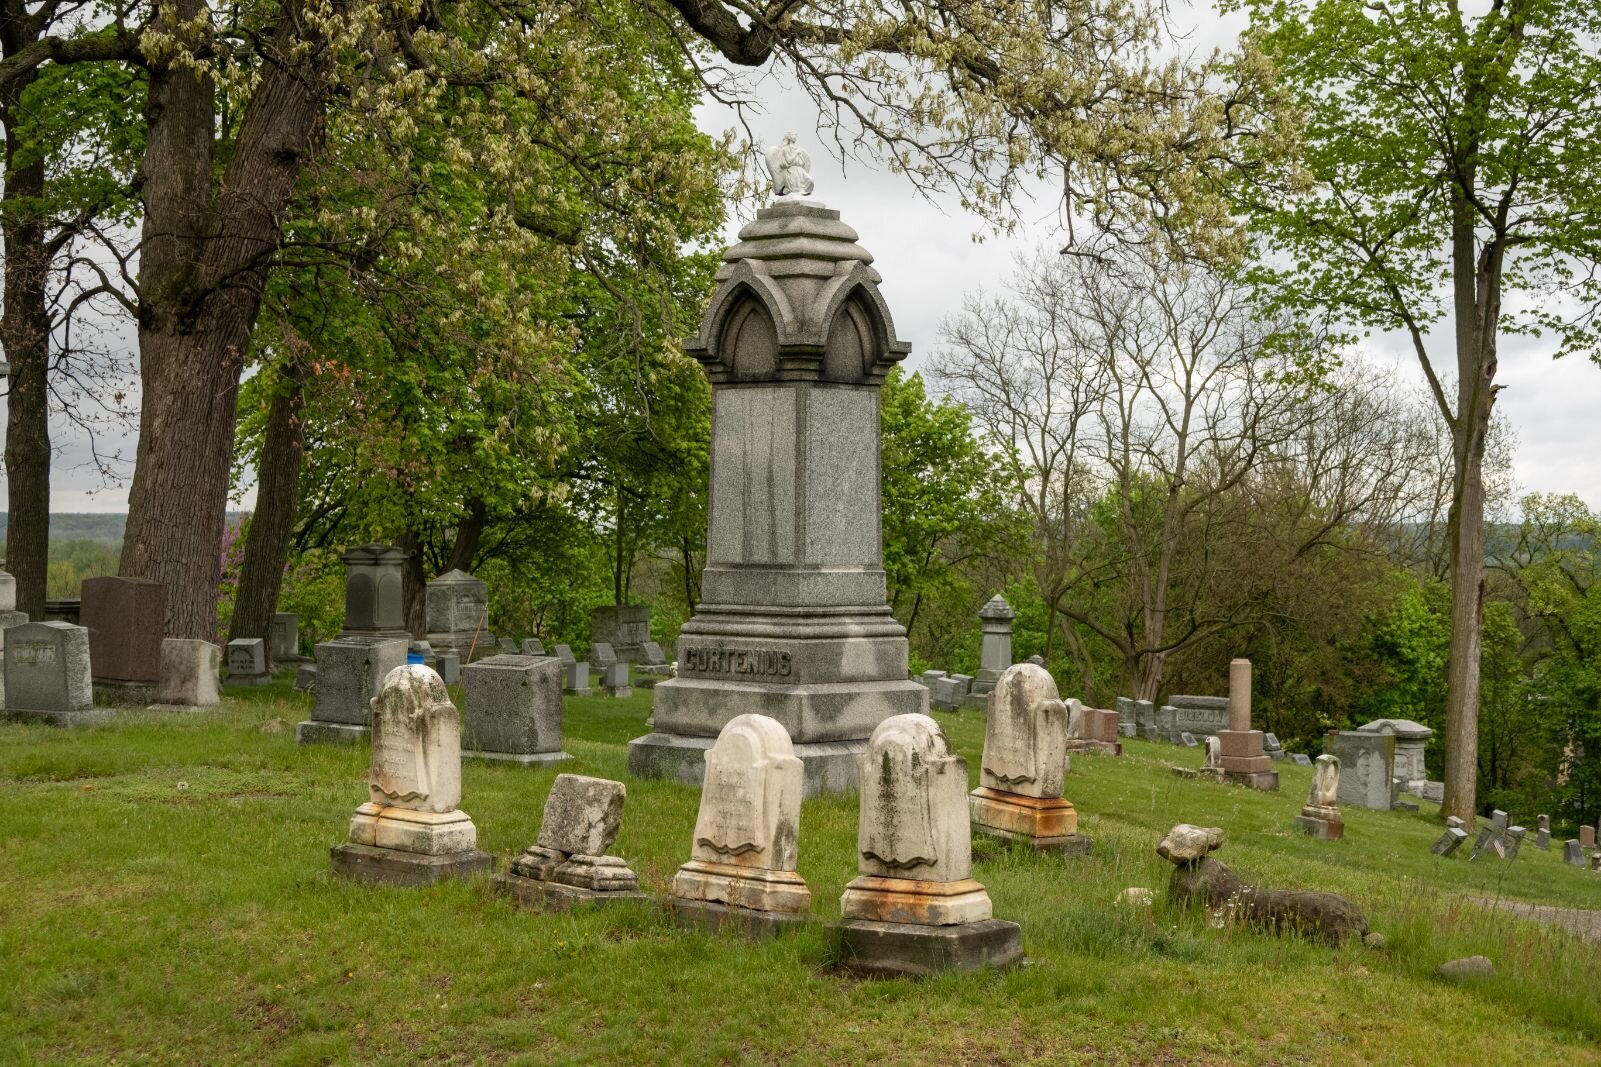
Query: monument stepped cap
{"points": [[1405, 729], [997, 608]]}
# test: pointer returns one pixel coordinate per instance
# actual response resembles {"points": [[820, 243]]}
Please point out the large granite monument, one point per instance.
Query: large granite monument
{"points": [[126, 618], [793, 622], [375, 609], [456, 606]]}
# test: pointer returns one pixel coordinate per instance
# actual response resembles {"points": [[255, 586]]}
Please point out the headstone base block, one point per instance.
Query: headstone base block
{"points": [[746, 888], [1075, 844], [1016, 815], [243, 681], [538, 895], [66, 719], [910, 901], [1266, 780], [827, 767], [388, 866], [1314, 826], [525, 759], [427, 833], [618, 691], [909, 950], [319, 732], [714, 918], [114, 691]]}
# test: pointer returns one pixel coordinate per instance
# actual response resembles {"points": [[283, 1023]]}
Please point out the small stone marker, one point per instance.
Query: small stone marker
{"points": [[602, 655], [654, 656], [1498, 819], [575, 672], [1188, 740], [47, 675], [1019, 797], [247, 662], [1587, 836], [350, 672], [568, 865], [508, 646], [614, 680], [286, 637], [533, 646], [1320, 817], [190, 673], [1573, 853], [915, 909], [1542, 832], [1301, 759], [448, 664], [513, 710], [1449, 841], [945, 694], [653, 666], [741, 873], [412, 830], [306, 678]]}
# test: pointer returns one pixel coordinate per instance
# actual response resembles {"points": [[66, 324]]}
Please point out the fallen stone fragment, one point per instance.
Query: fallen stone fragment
{"points": [[1467, 967]]}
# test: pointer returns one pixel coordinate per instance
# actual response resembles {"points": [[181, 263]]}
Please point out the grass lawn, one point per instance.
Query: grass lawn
{"points": [[165, 897]]}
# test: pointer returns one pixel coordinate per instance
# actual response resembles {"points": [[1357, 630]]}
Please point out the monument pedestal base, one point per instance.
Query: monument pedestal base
{"points": [[826, 766], [618, 691], [426, 833], [80, 717], [1013, 815], [910, 950], [525, 759], [748, 888], [246, 681], [318, 732], [1318, 826], [1075, 844], [1267, 780], [911, 901], [389, 866], [113, 691], [714, 918], [539, 895]]}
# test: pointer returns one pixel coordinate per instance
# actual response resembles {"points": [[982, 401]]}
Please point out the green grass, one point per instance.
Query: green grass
{"points": [[165, 898]]}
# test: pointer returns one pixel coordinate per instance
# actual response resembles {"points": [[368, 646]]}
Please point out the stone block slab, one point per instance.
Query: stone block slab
{"points": [[1327, 829], [524, 759], [75, 718], [537, 895], [907, 950], [714, 918], [1264, 780], [317, 732], [827, 767], [384, 866]]}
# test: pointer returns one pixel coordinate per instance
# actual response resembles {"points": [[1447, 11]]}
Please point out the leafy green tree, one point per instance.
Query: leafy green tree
{"points": [[946, 499], [1446, 178]]}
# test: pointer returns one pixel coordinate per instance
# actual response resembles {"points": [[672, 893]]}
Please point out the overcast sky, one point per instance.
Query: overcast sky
{"points": [[928, 256]]}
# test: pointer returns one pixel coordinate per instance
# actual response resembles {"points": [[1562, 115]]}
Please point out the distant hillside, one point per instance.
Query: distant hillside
{"points": [[104, 528]]}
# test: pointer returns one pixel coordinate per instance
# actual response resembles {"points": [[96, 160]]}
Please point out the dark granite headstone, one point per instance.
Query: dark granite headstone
{"points": [[126, 619]]}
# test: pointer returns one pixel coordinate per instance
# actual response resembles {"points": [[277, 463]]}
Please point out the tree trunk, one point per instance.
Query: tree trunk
{"points": [[277, 493], [25, 339], [469, 533], [203, 267], [414, 587], [1477, 298]]}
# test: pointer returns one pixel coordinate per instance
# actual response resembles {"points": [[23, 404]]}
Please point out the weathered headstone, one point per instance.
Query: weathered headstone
{"points": [[1433, 792], [1411, 740], [1587, 836], [286, 638], [190, 673], [456, 610], [1188, 740], [927, 678], [1145, 719], [964, 685], [741, 873], [512, 708], [350, 673], [945, 694], [915, 908], [412, 830], [568, 864], [794, 622], [1449, 841], [126, 618], [995, 649], [1366, 763], [448, 664], [1202, 716], [48, 676], [1019, 796], [533, 646], [1320, 816], [653, 665], [1301, 759], [574, 672], [306, 678], [507, 646], [624, 628], [247, 662], [614, 680], [1573, 853], [602, 655], [1542, 832], [1214, 756]]}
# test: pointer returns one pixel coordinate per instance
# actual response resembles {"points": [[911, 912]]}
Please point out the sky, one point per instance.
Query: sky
{"points": [[929, 257]]}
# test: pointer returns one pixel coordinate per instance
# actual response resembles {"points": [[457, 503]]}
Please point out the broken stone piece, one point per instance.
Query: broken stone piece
{"points": [[582, 815], [1185, 843]]}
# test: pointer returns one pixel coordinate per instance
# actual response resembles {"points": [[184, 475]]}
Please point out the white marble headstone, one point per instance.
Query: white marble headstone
{"points": [[1025, 737], [914, 818]]}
